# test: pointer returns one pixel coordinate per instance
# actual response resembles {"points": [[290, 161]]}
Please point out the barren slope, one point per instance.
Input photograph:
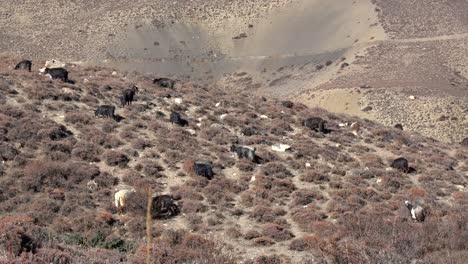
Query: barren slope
{"points": [[332, 193]]}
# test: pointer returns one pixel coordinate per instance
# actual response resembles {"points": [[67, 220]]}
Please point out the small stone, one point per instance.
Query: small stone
{"points": [[280, 147], [191, 131]]}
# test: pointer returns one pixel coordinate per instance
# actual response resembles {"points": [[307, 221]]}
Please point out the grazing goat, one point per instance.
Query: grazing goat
{"points": [[105, 111], [58, 73], [418, 214], [287, 104], [177, 119], [164, 207], [24, 65], [401, 164], [120, 198], [164, 82], [245, 152], [203, 168], [128, 96], [316, 124]]}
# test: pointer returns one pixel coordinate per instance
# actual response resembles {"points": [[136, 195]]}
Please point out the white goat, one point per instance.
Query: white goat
{"points": [[120, 198]]}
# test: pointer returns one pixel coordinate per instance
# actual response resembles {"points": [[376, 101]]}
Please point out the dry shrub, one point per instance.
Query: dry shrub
{"points": [[416, 192], [276, 169], [271, 259], [315, 177], [371, 161], [87, 152], [98, 137], [277, 232], [265, 214], [251, 234], [306, 243], [153, 169], [402, 239], [18, 234], [263, 241], [78, 118], [306, 196], [49, 255], [236, 120], [46, 173], [246, 165], [114, 158], [268, 189], [280, 127], [217, 135], [183, 247], [185, 192], [7, 151], [305, 216]]}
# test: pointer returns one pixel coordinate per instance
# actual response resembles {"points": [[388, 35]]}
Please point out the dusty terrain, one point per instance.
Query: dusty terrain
{"points": [[331, 199], [322, 202], [289, 48]]}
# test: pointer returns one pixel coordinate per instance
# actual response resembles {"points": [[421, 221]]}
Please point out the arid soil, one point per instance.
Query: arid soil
{"points": [[323, 201], [332, 198], [291, 49]]}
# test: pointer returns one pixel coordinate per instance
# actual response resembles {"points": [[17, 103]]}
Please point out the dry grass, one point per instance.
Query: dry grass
{"points": [[344, 206]]}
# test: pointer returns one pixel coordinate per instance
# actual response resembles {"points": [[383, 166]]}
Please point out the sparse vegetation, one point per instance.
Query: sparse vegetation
{"points": [[332, 197]]}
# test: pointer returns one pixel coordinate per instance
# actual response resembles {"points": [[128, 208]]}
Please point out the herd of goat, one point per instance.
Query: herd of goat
{"points": [[164, 206]]}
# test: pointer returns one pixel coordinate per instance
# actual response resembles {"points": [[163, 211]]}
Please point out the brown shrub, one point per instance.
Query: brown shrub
{"points": [[280, 127], [49, 255], [46, 173], [276, 169], [263, 241], [153, 169], [183, 247], [306, 196], [185, 192], [87, 152], [141, 144], [19, 234], [305, 216], [315, 177], [265, 214], [251, 234], [245, 165], [271, 259], [416, 192], [78, 118], [191, 207], [114, 158], [277, 232], [7, 151], [308, 243]]}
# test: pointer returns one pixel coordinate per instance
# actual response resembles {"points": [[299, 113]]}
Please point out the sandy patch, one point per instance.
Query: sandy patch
{"points": [[346, 101]]}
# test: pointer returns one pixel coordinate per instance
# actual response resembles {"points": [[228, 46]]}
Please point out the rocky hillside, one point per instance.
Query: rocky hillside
{"points": [[331, 198]]}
